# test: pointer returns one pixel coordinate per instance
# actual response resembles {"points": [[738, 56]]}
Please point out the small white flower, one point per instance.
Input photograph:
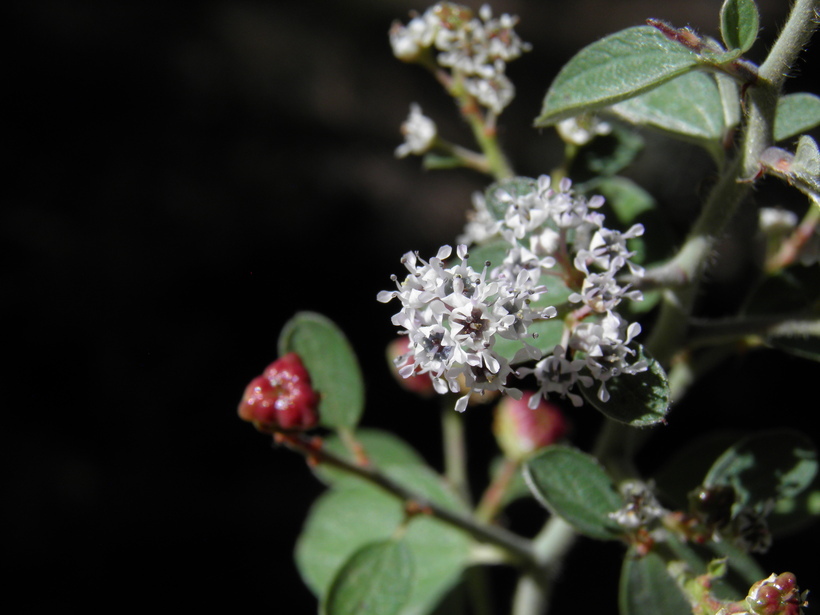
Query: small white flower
{"points": [[582, 129], [419, 133]]}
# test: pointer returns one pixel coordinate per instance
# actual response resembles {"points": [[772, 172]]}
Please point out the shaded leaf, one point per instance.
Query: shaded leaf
{"points": [[796, 113], [609, 154], [639, 400], [769, 465], [343, 520], [332, 365], [646, 588], [383, 450], [437, 161], [626, 198], [739, 23], [800, 338], [376, 580], [613, 69], [574, 486]]}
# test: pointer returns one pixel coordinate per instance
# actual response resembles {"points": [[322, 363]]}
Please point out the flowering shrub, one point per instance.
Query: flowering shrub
{"points": [[542, 302]]}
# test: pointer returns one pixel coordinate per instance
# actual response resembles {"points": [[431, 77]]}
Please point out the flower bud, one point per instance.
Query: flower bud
{"points": [[281, 398], [520, 430], [776, 595], [419, 384]]}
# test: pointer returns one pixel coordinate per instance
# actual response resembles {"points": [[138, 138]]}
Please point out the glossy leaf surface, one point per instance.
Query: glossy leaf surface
{"points": [[639, 400]]}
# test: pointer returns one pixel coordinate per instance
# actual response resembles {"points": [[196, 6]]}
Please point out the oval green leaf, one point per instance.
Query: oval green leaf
{"points": [[345, 519], [770, 465], [688, 107], [639, 400], [572, 485], [376, 580], [382, 449], [617, 67], [796, 114], [739, 23], [647, 588], [332, 365]]}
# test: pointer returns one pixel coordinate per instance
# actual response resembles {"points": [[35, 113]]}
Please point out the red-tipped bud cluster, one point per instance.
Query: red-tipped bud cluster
{"points": [[281, 399], [776, 595], [521, 430], [419, 384]]}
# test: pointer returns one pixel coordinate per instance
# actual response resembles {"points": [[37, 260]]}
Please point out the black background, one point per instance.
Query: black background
{"points": [[179, 181]]}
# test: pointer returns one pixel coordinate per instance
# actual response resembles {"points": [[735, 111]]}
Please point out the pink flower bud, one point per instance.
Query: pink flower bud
{"points": [[419, 384], [281, 398], [520, 431]]}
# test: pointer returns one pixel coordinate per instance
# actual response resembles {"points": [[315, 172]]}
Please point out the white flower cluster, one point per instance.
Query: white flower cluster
{"points": [[477, 48], [453, 315], [419, 133]]}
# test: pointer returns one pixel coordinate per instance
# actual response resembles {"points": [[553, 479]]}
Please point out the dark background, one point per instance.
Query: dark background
{"points": [[179, 181]]}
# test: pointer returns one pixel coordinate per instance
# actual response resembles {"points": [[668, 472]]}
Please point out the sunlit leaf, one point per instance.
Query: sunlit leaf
{"points": [[739, 23], [688, 107], [796, 113], [615, 68]]}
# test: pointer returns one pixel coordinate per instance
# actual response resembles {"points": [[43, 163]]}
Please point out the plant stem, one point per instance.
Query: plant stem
{"points": [[517, 548], [455, 450]]}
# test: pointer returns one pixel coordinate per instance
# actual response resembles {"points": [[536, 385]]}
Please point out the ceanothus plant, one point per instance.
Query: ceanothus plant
{"points": [[538, 305]]}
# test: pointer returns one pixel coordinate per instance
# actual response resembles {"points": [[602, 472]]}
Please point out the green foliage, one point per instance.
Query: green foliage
{"points": [[344, 520], [648, 589], [617, 67], [769, 466], [382, 449], [739, 23], [572, 485], [689, 107], [332, 365], [639, 400], [796, 113], [376, 580]]}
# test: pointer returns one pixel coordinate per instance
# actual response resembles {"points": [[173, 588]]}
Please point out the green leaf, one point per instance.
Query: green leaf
{"points": [[688, 107], [800, 338], [615, 68], [646, 588], [343, 520], [548, 333], [739, 23], [639, 400], [609, 154], [796, 113], [572, 485], [730, 100], [807, 159], [790, 291], [769, 465], [383, 450], [332, 365], [626, 198], [376, 580]]}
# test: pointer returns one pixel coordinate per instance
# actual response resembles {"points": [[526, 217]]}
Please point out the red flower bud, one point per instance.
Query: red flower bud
{"points": [[419, 384], [281, 398], [520, 430]]}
